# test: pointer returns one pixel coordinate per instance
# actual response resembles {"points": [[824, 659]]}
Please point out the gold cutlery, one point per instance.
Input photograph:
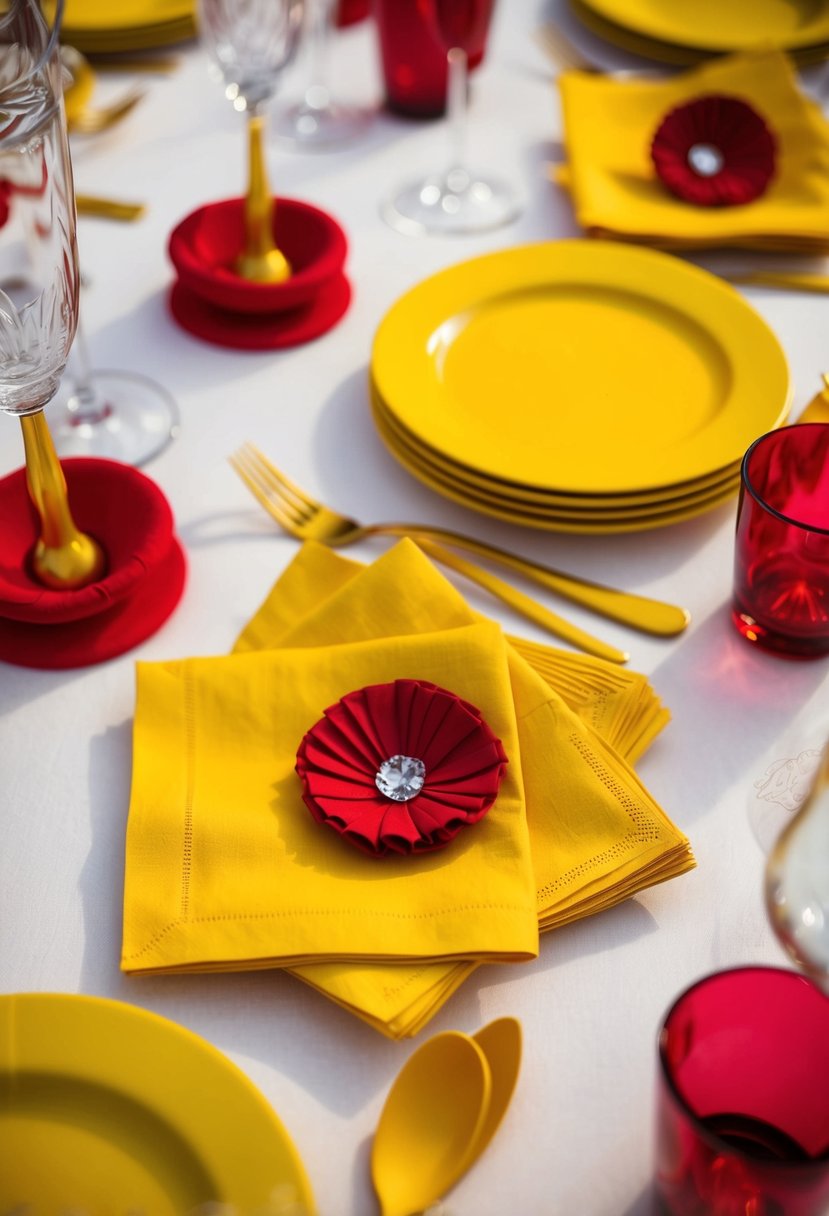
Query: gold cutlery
{"points": [[818, 408], [303, 516], [792, 280], [108, 208], [81, 117]]}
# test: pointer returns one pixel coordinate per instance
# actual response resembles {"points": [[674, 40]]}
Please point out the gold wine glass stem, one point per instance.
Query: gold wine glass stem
{"points": [[63, 556], [261, 261]]}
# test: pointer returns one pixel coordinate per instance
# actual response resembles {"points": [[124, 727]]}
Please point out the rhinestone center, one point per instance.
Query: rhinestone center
{"points": [[400, 777], [705, 159]]}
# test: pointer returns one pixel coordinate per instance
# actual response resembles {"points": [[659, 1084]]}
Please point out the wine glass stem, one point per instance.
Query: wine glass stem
{"points": [[259, 200], [85, 404], [64, 556], [316, 94], [456, 105]]}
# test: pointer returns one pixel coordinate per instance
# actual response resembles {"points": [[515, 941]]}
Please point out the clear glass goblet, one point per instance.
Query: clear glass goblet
{"points": [[251, 43], [319, 120], [460, 199], [38, 277], [797, 881]]}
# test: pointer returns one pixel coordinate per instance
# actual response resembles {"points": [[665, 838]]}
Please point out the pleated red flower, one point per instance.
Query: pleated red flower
{"points": [[715, 151], [400, 768]]}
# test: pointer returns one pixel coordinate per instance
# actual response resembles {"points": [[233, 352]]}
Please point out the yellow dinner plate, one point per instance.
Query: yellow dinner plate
{"points": [[728, 25], [553, 520], [581, 367], [106, 1108], [397, 436], [533, 509], [124, 14], [669, 52], [575, 522]]}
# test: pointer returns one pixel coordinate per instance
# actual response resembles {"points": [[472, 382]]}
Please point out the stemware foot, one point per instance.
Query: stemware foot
{"points": [[118, 416], [460, 201]]}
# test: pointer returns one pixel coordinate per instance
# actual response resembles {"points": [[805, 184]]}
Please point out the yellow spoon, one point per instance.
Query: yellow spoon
{"points": [[431, 1123], [818, 408], [501, 1043]]}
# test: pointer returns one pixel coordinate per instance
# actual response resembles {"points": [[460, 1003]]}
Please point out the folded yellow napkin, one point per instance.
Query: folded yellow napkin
{"points": [[608, 127], [595, 834]]}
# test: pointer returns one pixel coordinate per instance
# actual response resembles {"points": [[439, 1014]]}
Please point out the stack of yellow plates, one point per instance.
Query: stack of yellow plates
{"points": [[105, 27], [577, 386], [683, 31]]}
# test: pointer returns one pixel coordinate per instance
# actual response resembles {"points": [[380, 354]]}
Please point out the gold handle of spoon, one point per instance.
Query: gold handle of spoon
{"points": [[262, 261], [63, 557]]}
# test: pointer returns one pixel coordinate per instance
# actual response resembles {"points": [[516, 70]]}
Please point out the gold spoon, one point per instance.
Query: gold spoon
{"points": [[64, 557], [262, 261], [501, 1043], [430, 1124]]}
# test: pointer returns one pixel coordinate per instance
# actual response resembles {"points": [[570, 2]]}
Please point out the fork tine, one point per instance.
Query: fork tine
{"points": [[257, 468], [310, 504], [262, 496]]}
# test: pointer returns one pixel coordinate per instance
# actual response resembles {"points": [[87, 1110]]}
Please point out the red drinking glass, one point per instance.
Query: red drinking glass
{"points": [[781, 562], [413, 56], [743, 1097]]}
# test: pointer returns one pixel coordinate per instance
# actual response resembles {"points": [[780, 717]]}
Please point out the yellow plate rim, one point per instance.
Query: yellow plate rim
{"points": [[757, 400], [71, 1037], [703, 36]]}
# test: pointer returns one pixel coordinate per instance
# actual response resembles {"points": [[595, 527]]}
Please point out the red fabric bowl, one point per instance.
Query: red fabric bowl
{"points": [[120, 507], [205, 245]]}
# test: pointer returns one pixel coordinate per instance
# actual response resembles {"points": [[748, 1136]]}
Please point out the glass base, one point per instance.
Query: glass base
{"points": [[116, 415], [319, 122], [459, 201]]}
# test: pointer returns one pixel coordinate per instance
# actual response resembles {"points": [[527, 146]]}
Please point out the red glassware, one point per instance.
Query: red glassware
{"points": [[462, 23], [413, 57], [743, 1097], [781, 563]]}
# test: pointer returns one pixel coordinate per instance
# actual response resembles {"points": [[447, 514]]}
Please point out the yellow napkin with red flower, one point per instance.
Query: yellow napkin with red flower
{"points": [[608, 127], [217, 822]]}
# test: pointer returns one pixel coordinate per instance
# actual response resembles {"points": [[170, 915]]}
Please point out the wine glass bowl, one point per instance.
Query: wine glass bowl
{"points": [[250, 44]]}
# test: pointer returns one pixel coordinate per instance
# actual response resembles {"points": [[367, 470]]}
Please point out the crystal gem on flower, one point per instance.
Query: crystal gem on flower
{"points": [[400, 777], [400, 768], [714, 151]]}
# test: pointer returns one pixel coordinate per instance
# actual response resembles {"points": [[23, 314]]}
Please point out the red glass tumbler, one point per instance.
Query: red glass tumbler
{"points": [[413, 56], [743, 1098], [781, 562]]}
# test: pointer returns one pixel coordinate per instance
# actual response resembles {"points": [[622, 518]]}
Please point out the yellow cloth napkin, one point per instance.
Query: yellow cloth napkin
{"points": [[596, 835], [608, 127], [226, 866]]}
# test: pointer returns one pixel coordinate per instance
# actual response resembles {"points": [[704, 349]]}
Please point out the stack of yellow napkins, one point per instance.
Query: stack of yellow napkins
{"points": [[227, 870], [608, 127]]}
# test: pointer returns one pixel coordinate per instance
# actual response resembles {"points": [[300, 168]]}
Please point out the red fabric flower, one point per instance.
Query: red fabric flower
{"points": [[715, 152], [433, 754]]}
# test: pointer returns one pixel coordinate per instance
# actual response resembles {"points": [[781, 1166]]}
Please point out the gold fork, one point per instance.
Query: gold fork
{"points": [[91, 122], [306, 518]]}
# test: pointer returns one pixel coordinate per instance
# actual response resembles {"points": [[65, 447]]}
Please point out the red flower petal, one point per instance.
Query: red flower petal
{"points": [[338, 760], [739, 135]]}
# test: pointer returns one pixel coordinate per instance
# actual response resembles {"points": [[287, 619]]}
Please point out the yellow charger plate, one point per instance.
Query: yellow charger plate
{"points": [[583, 367], [106, 1108], [542, 500], [660, 516], [725, 26]]}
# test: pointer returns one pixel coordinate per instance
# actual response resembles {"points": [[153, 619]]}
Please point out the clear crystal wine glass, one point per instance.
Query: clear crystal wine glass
{"points": [[38, 276], [319, 120], [459, 199], [251, 43], [797, 881], [118, 415]]}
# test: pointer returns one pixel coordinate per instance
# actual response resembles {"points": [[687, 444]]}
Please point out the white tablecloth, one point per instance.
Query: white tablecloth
{"points": [[578, 1135]]}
